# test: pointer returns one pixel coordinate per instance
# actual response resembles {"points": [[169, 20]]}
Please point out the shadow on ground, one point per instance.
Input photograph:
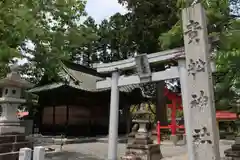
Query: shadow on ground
{"points": [[70, 156]]}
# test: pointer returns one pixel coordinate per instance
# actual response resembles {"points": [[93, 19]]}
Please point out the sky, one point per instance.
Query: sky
{"points": [[99, 10]]}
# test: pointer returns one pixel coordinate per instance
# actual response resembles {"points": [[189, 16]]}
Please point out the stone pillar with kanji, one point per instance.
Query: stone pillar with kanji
{"points": [[12, 136], [204, 134]]}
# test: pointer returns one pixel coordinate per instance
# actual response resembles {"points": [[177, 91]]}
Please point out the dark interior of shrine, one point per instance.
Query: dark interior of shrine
{"points": [[73, 112]]}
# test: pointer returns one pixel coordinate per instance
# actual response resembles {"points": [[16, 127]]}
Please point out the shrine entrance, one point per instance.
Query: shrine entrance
{"points": [[195, 73]]}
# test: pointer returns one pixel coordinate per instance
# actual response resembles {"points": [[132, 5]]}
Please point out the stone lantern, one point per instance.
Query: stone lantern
{"points": [[142, 147], [234, 152], [11, 133]]}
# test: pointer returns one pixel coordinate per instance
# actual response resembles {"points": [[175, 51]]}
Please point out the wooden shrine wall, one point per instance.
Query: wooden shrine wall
{"points": [[79, 115], [47, 116], [74, 120]]}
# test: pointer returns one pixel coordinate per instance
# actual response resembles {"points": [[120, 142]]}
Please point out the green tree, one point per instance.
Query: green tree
{"points": [[222, 22], [56, 35], [52, 27], [148, 20], [115, 39], [15, 20], [89, 49], [228, 76], [104, 41]]}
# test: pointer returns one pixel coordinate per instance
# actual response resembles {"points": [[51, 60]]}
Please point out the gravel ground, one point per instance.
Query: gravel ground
{"points": [[98, 151]]}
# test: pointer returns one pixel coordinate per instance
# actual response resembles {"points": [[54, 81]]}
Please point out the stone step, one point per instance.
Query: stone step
{"points": [[14, 147], [9, 156], [11, 138]]}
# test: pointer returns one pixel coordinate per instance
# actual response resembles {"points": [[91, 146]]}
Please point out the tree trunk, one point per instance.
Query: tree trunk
{"points": [[161, 108]]}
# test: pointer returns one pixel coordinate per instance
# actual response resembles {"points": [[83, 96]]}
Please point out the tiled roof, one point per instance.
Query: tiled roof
{"points": [[79, 77], [58, 85]]}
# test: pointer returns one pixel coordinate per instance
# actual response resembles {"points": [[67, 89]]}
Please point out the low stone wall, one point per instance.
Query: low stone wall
{"points": [[39, 140], [9, 156], [11, 144]]}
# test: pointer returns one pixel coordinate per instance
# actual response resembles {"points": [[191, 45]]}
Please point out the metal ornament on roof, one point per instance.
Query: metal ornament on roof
{"points": [[143, 68], [148, 90]]}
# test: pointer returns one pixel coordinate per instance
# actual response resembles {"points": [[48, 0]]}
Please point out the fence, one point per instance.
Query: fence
{"points": [[26, 153], [166, 127]]}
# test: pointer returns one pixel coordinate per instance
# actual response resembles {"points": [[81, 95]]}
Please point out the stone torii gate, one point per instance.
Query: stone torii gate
{"points": [[195, 73]]}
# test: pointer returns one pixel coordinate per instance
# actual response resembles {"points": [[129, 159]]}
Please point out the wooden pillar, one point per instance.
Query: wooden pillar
{"points": [[67, 120], [200, 98], [40, 119], [161, 108], [129, 119], [173, 117], [54, 124]]}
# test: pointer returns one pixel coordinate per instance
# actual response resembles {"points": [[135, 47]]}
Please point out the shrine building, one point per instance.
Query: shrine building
{"points": [[74, 107]]}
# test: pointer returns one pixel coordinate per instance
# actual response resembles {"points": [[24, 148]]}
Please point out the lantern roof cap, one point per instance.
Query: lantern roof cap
{"points": [[14, 79]]}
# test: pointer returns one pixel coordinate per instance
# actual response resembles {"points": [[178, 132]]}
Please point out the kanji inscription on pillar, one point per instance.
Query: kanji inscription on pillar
{"points": [[205, 138], [201, 136], [196, 66], [192, 31], [199, 101]]}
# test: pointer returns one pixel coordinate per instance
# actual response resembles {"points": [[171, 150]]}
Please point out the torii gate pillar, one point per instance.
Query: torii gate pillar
{"points": [[113, 120]]}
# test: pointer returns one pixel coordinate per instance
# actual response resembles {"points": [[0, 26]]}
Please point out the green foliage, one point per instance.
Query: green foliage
{"points": [[219, 20], [225, 25], [15, 19], [228, 84], [54, 29], [173, 38], [89, 48], [228, 67], [151, 25], [149, 19], [51, 26], [115, 41], [56, 35]]}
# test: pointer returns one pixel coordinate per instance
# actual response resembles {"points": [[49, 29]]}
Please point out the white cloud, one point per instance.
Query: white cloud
{"points": [[101, 9]]}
